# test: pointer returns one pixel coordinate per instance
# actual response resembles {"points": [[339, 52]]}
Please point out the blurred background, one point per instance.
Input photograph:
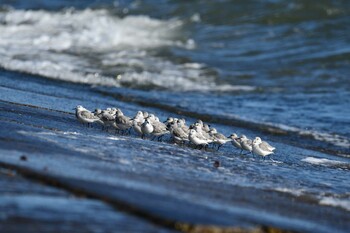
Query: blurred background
{"points": [[278, 69], [280, 63]]}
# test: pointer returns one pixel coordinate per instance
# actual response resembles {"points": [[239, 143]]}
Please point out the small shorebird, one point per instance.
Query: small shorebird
{"points": [[137, 121], [182, 124], [200, 133], [246, 143], [178, 134], [122, 122], [159, 129], [85, 116], [146, 128], [197, 139], [107, 119], [262, 148], [235, 141], [218, 138]]}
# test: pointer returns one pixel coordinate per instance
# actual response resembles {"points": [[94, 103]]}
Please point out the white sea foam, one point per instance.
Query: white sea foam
{"points": [[331, 201], [295, 192], [334, 139], [93, 46], [326, 162]]}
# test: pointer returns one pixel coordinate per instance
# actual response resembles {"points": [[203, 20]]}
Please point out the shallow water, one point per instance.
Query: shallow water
{"points": [[277, 69], [279, 63]]}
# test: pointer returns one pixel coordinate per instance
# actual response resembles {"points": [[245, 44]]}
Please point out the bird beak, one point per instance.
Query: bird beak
{"points": [[165, 121]]}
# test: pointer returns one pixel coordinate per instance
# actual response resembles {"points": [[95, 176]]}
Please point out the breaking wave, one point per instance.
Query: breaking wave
{"points": [[95, 46], [327, 162]]}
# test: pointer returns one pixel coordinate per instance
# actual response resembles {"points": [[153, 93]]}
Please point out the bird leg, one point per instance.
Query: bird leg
{"points": [[219, 147]]}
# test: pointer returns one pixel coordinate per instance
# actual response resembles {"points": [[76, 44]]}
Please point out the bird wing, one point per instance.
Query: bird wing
{"points": [[88, 115], [264, 146], [179, 133], [107, 117], [220, 136], [268, 145], [159, 127]]}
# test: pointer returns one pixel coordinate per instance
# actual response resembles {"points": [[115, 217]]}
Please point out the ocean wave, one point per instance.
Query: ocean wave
{"points": [[331, 201], [95, 30], [330, 138], [94, 46], [334, 139], [327, 162], [294, 192], [335, 200]]}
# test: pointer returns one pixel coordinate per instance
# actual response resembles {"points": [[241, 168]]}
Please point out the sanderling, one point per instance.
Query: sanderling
{"points": [[200, 133], [152, 118], [206, 128], [145, 114], [122, 122], [159, 129], [266, 144], [197, 139], [182, 124], [107, 119], [146, 127], [262, 148], [168, 121], [178, 134], [137, 122], [218, 138], [85, 116], [235, 141], [246, 143], [97, 112]]}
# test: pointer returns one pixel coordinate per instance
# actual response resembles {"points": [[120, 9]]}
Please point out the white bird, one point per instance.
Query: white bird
{"points": [[206, 128], [182, 124], [197, 140], [218, 138], [97, 112], [200, 133], [179, 135], [235, 141], [107, 119], [145, 114], [146, 128], [246, 143], [159, 129], [122, 122], [85, 116], [262, 148], [266, 144], [168, 121], [137, 122]]}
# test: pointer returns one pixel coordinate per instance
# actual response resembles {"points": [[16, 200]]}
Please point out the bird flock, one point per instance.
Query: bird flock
{"points": [[199, 134]]}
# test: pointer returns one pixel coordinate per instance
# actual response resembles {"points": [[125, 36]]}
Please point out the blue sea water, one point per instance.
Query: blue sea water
{"points": [[277, 68], [281, 63]]}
